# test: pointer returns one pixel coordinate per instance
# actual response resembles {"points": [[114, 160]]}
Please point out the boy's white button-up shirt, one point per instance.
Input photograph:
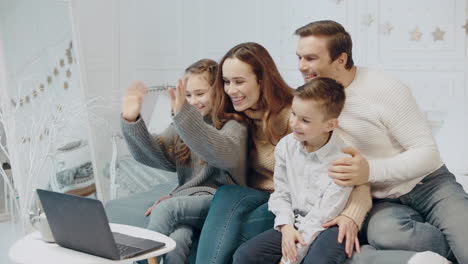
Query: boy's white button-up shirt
{"points": [[305, 196]]}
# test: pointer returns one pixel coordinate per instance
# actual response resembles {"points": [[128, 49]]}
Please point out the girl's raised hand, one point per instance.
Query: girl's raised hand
{"points": [[178, 96], [132, 101]]}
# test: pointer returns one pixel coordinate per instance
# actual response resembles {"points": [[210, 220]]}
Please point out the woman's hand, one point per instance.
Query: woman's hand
{"points": [[131, 105], [178, 96], [290, 236], [348, 229]]}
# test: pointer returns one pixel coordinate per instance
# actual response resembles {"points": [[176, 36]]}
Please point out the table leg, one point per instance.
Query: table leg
{"points": [[152, 260]]}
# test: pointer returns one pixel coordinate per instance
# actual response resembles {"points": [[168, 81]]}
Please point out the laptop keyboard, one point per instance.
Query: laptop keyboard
{"points": [[127, 250]]}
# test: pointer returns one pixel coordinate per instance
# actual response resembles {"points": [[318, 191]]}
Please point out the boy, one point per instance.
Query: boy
{"points": [[305, 197]]}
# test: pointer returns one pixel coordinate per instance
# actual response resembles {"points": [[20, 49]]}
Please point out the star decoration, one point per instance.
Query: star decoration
{"points": [[438, 34], [49, 79], [337, 1], [466, 27], [367, 20], [68, 73], [416, 34], [387, 28]]}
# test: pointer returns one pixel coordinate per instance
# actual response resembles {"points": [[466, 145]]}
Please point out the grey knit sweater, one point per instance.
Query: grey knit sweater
{"points": [[224, 151]]}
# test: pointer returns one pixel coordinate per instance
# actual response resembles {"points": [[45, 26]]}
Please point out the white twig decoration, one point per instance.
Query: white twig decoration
{"points": [[34, 156]]}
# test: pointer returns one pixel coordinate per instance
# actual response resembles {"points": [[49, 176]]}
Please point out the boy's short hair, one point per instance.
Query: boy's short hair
{"points": [[339, 40], [328, 92]]}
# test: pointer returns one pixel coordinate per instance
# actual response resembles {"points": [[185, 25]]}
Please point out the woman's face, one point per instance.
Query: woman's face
{"points": [[240, 84], [198, 93]]}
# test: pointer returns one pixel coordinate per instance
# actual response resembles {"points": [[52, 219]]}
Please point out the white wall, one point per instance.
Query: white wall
{"points": [[97, 26], [154, 41], [35, 37]]}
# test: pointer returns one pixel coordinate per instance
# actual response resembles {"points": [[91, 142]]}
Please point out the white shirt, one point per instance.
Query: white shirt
{"points": [[305, 196], [383, 121]]}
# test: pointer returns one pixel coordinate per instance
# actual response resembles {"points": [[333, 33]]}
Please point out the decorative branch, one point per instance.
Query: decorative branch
{"points": [[46, 126]]}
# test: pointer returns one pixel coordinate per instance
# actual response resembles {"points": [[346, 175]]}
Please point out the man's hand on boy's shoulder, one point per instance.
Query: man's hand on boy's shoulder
{"points": [[350, 171]]}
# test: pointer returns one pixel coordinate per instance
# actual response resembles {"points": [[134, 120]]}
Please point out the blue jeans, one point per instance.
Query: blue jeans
{"points": [[130, 211], [370, 255], [176, 217], [430, 217], [236, 214], [266, 248]]}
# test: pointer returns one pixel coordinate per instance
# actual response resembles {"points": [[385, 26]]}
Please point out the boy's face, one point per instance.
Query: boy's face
{"points": [[314, 59], [199, 93], [307, 120]]}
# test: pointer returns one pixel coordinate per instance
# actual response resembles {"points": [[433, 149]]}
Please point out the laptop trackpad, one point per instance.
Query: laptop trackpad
{"points": [[134, 241]]}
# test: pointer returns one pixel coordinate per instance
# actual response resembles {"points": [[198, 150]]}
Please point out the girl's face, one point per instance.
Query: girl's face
{"points": [[198, 93], [240, 84]]}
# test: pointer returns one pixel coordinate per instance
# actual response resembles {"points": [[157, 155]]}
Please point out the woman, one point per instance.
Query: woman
{"points": [[249, 84], [199, 153]]}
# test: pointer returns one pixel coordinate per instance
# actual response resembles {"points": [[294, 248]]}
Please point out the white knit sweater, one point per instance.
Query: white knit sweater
{"points": [[382, 120]]}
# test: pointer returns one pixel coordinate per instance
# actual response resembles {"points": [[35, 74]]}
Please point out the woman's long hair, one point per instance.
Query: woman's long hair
{"points": [[275, 93]]}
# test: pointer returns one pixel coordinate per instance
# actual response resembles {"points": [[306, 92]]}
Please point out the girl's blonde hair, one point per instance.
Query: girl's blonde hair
{"points": [[208, 68]]}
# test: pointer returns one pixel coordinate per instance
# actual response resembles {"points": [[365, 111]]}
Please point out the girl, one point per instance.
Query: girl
{"points": [[204, 157]]}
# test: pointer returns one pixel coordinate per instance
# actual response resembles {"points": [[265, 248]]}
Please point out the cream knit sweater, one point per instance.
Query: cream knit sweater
{"points": [[382, 120]]}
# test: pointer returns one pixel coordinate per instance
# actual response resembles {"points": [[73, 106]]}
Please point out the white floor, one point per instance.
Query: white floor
{"points": [[9, 234]]}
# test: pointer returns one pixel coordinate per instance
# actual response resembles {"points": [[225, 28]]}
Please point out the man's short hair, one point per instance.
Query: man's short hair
{"points": [[339, 40], [326, 91]]}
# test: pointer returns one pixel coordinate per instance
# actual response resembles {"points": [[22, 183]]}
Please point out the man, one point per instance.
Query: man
{"points": [[418, 205]]}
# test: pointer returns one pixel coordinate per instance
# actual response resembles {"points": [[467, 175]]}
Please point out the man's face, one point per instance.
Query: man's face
{"points": [[314, 59]]}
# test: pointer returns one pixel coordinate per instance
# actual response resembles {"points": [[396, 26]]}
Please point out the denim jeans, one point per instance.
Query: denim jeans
{"points": [[177, 217], [266, 248], [131, 210], [236, 214], [370, 255], [231, 221], [431, 217]]}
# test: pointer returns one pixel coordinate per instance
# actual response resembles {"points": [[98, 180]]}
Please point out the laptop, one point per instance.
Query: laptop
{"points": [[81, 224]]}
